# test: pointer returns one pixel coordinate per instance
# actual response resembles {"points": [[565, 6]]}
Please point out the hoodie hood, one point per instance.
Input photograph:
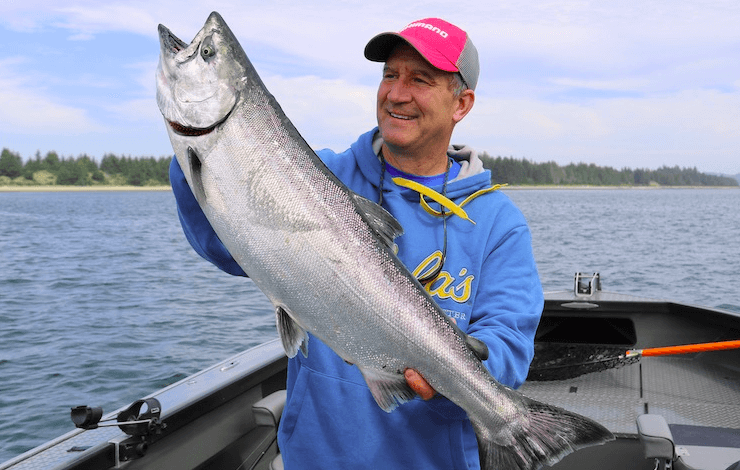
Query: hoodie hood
{"points": [[471, 178]]}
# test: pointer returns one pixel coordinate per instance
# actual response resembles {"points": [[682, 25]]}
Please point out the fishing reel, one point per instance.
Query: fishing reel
{"points": [[133, 421], [140, 421]]}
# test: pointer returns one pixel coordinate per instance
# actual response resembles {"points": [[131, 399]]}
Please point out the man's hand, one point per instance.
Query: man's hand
{"points": [[418, 384]]}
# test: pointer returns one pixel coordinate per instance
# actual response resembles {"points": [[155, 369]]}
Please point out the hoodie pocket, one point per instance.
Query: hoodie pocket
{"points": [[330, 422], [293, 407]]}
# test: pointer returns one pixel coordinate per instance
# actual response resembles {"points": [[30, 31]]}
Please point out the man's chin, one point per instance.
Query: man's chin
{"points": [[397, 137]]}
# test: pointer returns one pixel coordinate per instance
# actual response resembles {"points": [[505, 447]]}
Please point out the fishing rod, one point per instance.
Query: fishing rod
{"points": [[684, 349]]}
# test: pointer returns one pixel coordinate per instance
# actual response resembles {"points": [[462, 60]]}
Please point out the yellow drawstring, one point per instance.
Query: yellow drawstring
{"points": [[434, 195], [442, 200]]}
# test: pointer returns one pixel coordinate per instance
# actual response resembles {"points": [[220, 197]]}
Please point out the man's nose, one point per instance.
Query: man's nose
{"points": [[399, 91]]}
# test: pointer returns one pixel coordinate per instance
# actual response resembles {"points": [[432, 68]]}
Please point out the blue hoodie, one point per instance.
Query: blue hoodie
{"points": [[488, 284]]}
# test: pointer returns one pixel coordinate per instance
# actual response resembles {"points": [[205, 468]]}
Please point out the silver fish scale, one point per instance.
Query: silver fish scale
{"points": [[295, 231]]}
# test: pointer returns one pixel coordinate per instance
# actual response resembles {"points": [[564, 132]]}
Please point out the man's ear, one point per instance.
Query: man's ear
{"points": [[464, 104]]}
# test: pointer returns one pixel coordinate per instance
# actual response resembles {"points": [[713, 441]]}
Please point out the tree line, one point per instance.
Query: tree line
{"points": [[83, 170], [150, 171], [523, 172]]}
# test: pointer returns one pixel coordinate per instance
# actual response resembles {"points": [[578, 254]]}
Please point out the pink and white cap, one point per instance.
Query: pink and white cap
{"points": [[442, 44]]}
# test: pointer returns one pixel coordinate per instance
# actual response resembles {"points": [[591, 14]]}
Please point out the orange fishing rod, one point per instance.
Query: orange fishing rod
{"points": [[685, 349]]}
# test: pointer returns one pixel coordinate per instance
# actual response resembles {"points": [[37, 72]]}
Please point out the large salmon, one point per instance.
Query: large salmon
{"points": [[323, 255]]}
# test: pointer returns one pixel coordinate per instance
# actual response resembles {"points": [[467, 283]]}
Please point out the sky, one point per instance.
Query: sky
{"points": [[625, 84]]}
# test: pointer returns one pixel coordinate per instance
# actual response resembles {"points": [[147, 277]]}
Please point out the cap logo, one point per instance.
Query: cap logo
{"points": [[429, 27]]}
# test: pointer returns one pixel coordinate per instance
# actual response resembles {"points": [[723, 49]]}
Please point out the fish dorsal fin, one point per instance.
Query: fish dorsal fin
{"points": [[380, 220], [291, 334], [389, 389]]}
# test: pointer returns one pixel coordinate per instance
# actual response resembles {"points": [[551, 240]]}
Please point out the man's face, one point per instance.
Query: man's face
{"points": [[417, 109]]}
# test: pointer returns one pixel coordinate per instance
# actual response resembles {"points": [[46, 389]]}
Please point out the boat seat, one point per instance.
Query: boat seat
{"points": [[656, 439], [277, 463], [267, 412], [688, 447]]}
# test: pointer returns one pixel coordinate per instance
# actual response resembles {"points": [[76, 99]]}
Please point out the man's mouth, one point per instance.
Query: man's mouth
{"points": [[400, 116]]}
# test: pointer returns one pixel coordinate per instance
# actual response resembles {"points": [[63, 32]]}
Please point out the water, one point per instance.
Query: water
{"points": [[102, 301], [677, 244]]}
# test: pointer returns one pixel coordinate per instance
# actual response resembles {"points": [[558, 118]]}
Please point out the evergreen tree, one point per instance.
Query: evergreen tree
{"points": [[11, 164], [72, 172], [51, 162]]}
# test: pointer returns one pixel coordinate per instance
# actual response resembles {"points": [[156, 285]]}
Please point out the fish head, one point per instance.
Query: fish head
{"points": [[199, 84]]}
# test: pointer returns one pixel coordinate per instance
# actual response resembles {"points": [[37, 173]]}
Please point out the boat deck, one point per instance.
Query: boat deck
{"points": [[684, 391], [697, 398]]}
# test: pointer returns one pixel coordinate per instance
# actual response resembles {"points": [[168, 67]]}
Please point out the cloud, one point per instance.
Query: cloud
{"points": [[650, 131], [30, 110], [25, 112], [622, 84], [328, 113], [630, 82]]}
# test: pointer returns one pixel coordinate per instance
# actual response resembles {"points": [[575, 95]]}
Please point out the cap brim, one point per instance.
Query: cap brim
{"points": [[379, 48]]}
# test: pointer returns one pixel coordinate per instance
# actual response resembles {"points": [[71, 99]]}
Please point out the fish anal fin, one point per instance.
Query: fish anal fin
{"points": [[389, 389], [291, 334], [380, 220]]}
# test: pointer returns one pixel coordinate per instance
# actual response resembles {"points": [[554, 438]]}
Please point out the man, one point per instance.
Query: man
{"points": [[482, 274]]}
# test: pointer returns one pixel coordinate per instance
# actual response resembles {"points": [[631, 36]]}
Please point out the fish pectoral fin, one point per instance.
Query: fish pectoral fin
{"points": [[479, 348], [291, 334], [195, 175], [380, 220], [476, 346], [389, 389]]}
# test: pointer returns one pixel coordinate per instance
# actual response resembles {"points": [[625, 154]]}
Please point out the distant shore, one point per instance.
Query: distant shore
{"points": [[590, 187], [59, 188]]}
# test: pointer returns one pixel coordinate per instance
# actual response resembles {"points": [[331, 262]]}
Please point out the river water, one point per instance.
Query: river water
{"points": [[102, 301]]}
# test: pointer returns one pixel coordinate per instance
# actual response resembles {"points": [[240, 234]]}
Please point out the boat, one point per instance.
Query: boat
{"points": [[670, 411]]}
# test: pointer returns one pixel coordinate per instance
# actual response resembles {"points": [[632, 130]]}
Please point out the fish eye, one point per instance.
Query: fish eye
{"points": [[207, 49]]}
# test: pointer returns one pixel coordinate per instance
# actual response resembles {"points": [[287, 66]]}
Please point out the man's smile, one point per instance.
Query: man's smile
{"points": [[400, 116]]}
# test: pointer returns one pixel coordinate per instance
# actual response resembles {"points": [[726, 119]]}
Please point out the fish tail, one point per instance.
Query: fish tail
{"points": [[546, 435]]}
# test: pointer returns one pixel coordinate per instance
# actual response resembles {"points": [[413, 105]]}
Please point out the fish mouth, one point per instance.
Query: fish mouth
{"points": [[169, 41], [179, 129], [188, 131]]}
